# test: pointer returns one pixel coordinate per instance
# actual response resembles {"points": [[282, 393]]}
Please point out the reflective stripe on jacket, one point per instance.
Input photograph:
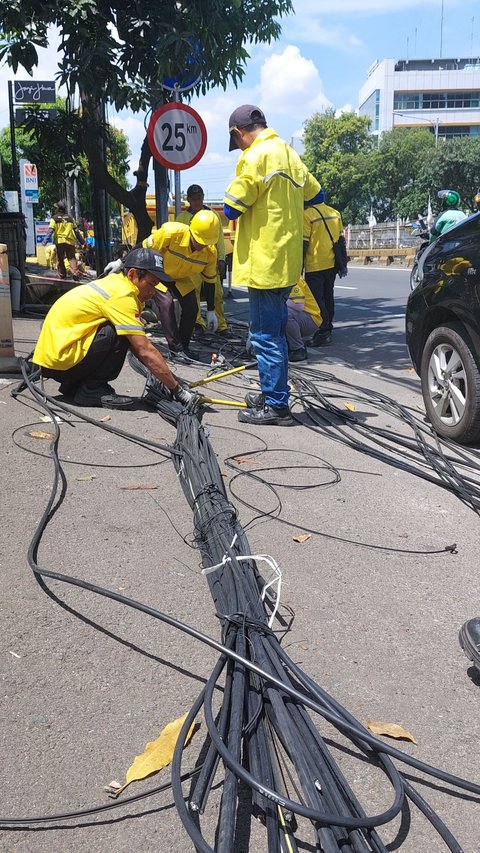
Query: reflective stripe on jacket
{"points": [[270, 188]]}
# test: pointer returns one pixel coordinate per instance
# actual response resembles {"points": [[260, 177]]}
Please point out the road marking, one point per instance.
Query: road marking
{"points": [[344, 287], [381, 311]]}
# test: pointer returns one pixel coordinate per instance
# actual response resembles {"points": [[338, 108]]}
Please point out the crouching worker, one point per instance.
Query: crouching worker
{"points": [[304, 318], [88, 331]]}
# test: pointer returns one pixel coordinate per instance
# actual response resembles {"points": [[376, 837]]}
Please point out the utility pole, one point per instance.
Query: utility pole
{"points": [[13, 147]]}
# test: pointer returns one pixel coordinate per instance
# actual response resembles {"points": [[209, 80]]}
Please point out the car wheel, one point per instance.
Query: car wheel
{"points": [[451, 384]]}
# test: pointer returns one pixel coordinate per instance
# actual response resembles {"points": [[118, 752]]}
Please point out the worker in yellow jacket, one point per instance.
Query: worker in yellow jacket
{"points": [[268, 194], [322, 228], [304, 319], [195, 199], [187, 251]]}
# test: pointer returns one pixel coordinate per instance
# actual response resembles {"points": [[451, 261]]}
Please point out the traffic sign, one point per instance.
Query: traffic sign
{"points": [[177, 136]]}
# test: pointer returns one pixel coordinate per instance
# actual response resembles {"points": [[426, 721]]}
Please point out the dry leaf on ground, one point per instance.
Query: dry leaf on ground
{"points": [[156, 755], [390, 730], [139, 487], [86, 477], [350, 407], [245, 459], [302, 537], [35, 433]]}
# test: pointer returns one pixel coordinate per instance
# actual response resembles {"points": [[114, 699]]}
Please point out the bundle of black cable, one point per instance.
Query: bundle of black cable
{"points": [[263, 739]]}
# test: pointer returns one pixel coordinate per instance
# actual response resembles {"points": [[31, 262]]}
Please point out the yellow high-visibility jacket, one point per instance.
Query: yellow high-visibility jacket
{"points": [[73, 320], [301, 297], [270, 188], [172, 240], [319, 249]]}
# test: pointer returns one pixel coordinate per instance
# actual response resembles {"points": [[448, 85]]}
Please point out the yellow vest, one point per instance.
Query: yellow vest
{"points": [[301, 293], [63, 228], [320, 255], [271, 186], [172, 240], [72, 321]]}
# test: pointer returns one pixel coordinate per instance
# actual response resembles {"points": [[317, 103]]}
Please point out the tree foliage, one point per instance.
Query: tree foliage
{"points": [[54, 145], [394, 177], [118, 53]]}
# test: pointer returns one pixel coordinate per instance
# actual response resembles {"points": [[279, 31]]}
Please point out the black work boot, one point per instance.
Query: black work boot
{"points": [[469, 637], [322, 339], [266, 415], [254, 399], [298, 354], [103, 396]]}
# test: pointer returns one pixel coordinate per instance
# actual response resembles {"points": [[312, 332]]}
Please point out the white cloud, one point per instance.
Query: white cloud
{"points": [[308, 10], [347, 108], [291, 85]]}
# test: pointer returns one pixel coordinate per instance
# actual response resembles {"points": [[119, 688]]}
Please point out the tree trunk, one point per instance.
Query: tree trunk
{"points": [[134, 199]]}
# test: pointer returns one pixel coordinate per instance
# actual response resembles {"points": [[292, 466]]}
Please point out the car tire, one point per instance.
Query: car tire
{"points": [[450, 376]]}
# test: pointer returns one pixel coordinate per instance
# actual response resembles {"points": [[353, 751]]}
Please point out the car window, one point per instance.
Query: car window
{"points": [[456, 253]]}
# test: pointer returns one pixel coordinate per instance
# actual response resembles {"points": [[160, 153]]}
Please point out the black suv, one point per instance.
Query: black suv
{"points": [[443, 331]]}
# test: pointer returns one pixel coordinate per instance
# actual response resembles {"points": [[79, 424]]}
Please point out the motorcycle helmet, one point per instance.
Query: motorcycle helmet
{"points": [[450, 198]]}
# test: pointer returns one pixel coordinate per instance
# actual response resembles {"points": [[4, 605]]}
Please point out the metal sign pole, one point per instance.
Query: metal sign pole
{"points": [[178, 188], [16, 182]]}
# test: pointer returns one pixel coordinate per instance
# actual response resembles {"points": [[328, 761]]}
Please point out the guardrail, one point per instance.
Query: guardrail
{"points": [[389, 255]]}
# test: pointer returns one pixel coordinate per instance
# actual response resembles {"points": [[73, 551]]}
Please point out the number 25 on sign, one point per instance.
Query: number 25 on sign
{"points": [[177, 136]]}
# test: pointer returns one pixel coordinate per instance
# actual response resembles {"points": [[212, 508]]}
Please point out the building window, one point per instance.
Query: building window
{"points": [[436, 100], [371, 108]]}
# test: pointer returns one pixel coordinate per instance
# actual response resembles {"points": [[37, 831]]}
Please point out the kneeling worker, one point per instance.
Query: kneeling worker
{"points": [[87, 332], [304, 319]]}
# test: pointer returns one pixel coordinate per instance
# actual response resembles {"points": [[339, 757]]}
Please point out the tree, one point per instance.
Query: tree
{"points": [[55, 146], [336, 152], [119, 53], [398, 179]]}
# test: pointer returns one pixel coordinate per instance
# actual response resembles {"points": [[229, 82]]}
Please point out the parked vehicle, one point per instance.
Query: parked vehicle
{"points": [[443, 331]]}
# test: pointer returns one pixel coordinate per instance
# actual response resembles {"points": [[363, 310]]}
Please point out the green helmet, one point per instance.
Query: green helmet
{"points": [[450, 198]]}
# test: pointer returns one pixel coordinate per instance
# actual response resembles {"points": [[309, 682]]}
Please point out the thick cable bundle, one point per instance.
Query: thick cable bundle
{"points": [[261, 737], [263, 733]]}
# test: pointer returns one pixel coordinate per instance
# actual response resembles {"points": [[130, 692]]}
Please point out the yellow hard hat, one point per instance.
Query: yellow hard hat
{"points": [[205, 227]]}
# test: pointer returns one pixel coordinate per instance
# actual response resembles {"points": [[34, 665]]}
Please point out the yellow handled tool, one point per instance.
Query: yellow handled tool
{"points": [[219, 375], [239, 404]]}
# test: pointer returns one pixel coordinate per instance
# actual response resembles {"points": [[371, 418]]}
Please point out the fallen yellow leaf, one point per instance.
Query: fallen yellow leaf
{"points": [[302, 537], [156, 755], [105, 419], [139, 486], [350, 407], [38, 434], [390, 730]]}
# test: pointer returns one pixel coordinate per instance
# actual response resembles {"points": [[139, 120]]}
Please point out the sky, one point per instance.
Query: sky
{"points": [[321, 60]]}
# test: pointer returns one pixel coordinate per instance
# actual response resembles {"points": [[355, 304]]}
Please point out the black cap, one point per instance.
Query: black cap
{"points": [[195, 189], [146, 259], [244, 116], [61, 205]]}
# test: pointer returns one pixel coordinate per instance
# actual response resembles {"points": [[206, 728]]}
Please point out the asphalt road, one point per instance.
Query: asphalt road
{"points": [[377, 601]]}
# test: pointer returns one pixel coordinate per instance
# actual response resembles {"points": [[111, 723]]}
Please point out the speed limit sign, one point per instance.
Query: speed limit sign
{"points": [[177, 136]]}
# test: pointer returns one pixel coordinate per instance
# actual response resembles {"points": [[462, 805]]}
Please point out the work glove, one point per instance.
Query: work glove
{"points": [[212, 322], [222, 269], [114, 266], [183, 395]]}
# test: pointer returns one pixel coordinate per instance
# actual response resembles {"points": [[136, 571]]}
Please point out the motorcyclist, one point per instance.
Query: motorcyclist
{"points": [[450, 215]]}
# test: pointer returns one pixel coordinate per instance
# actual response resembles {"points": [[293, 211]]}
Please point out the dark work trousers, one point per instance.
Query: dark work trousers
{"points": [[321, 283], [178, 337], [103, 361]]}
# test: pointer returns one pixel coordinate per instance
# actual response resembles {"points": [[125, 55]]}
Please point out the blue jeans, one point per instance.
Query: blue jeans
{"points": [[268, 321]]}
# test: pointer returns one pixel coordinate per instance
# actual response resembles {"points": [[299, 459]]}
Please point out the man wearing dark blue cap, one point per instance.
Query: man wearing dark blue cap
{"points": [[88, 331], [268, 195]]}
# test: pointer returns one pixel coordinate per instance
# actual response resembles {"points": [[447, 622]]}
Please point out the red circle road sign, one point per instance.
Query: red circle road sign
{"points": [[177, 136]]}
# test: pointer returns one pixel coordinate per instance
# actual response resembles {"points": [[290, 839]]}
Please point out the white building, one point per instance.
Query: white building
{"points": [[440, 94]]}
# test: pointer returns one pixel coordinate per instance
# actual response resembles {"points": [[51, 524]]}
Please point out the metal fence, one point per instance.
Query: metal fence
{"points": [[386, 235]]}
